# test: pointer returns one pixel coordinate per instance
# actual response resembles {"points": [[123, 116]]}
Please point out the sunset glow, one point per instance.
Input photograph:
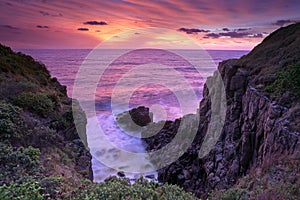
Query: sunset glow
{"points": [[84, 24]]}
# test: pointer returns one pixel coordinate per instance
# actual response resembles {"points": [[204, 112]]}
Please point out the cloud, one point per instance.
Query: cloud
{"points": [[258, 35], [44, 13], [243, 29], [193, 30], [83, 29], [40, 26], [95, 23], [212, 35], [234, 34], [283, 22], [237, 30], [9, 27], [52, 15]]}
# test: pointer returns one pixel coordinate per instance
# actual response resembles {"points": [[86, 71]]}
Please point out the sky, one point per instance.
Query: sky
{"points": [[72, 24]]}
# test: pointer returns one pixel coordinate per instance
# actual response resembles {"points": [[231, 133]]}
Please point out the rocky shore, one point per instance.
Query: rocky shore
{"points": [[261, 126]]}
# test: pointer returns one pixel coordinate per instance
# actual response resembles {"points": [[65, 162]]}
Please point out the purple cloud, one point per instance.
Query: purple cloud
{"points": [[243, 29], [48, 14], [212, 35], [83, 29], [193, 30], [283, 22], [9, 27], [95, 23], [40, 26], [234, 34], [44, 13], [258, 35], [225, 29]]}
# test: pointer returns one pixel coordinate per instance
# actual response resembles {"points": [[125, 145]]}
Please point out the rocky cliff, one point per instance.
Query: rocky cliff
{"points": [[262, 125]]}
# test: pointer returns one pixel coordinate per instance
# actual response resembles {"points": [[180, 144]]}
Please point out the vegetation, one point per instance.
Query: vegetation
{"points": [[10, 121], [287, 80], [23, 65], [116, 188], [25, 191], [230, 194], [39, 103]]}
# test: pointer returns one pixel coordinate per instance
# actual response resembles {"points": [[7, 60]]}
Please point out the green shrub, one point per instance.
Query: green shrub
{"points": [[52, 186], [10, 121], [18, 164], [287, 79], [20, 64], [39, 103], [121, 189], [24, 191], [230, 194]]}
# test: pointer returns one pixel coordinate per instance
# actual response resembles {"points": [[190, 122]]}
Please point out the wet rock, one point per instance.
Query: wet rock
{"points": [[141, 116], [121, 174], [135, 119], [150, 176]]}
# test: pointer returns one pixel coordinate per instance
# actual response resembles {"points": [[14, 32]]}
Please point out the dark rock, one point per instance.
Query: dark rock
{"points": [[121, 174], [255, 130], [135, 119], [141, 116], [150, 176]]}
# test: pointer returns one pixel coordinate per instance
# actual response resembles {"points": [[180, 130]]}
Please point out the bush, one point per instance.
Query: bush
{"points": [[18, 63], [10, 121], [230, 194], [287, 80], [39, 103], [24, 191], [18, 164], [121, 189]]}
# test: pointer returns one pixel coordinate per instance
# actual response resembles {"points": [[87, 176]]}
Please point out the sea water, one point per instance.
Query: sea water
{"points": [[64, 64]]}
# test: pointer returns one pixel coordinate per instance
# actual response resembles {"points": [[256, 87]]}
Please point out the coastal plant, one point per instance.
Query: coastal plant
{"points": [[25, 191], [230, 194], [10, 121], [287, 80], [121, 189], [20, 64], [39, 103], [18, 164]]}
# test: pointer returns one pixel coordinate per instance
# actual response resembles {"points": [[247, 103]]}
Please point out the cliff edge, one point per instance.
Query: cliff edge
{"points": [[258, 152]]}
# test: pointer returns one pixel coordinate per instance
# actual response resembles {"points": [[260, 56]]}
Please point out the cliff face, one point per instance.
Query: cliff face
{"points": [[260, 127], [38, 135]]}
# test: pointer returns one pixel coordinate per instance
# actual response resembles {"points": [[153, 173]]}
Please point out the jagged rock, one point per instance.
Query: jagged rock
{"points": [[121, 174], [135, 119], [256, 128], [141, 116]]}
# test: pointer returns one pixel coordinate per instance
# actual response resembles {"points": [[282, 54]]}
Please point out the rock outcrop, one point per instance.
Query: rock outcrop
{"points": [[135, 119], [259, 126]]}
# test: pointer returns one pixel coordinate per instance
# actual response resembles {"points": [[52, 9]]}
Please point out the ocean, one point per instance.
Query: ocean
{"points": [[166, 81]]}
